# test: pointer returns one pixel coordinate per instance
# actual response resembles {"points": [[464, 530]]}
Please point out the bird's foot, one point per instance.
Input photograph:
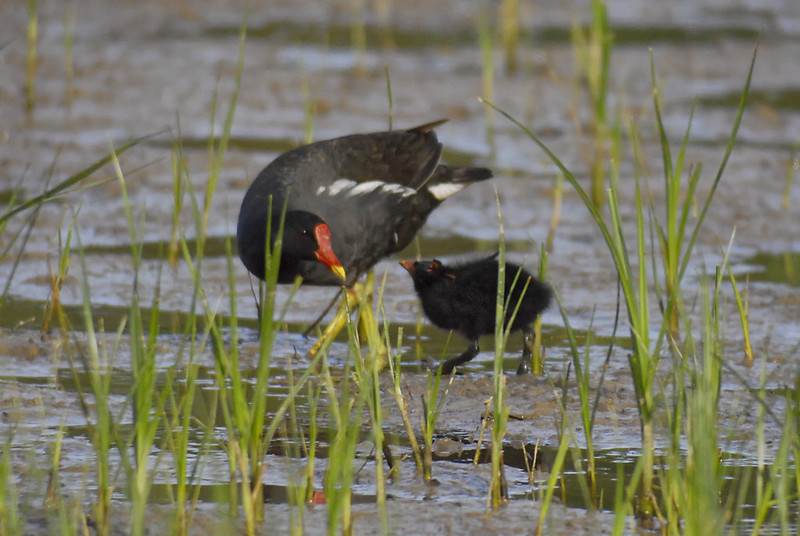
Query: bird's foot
{"points": [[428, 363], [525, 361]]}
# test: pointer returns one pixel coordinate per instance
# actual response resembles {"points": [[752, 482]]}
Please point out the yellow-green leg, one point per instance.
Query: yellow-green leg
{"points": [[337, 324], [357, 298]]}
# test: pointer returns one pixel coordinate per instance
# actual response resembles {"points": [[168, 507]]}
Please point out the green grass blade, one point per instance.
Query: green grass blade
{"points": [[728, 150], [70, 181]]}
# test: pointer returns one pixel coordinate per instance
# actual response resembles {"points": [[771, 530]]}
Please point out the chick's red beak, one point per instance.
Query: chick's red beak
{"points": [[325, 253]]}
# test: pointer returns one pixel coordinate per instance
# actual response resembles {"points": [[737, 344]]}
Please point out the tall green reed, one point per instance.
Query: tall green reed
{"points": [[587, 409], [177, 437], [12, 199], [505, 312], [792, 165], [147, 402], [303, 493], [552, 480], [358, 35], [692, 483], [389, 96], [556, 217], [432, 403], [625, 496], [346, 409], [69, 74], [509, 14], [57, 279], [691, 477], [357, 401], [367, 376], [785, 471], [52, 497], [777, 484], [592, 49], [180, 182], [400, 397], [102, 425], [742, 305], [63, 511], [310, 110], [19, 238], [498, 489], [32, 57], [486, 42], [10, 522], [300, 483], [700, 511], [536, 347], [379, 354]]}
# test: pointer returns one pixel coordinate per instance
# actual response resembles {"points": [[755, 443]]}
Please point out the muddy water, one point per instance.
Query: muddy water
{"points": [[152, 68]]}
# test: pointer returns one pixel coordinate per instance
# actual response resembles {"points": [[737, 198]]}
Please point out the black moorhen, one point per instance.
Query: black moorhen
{"points": [[463, 298], [350, 201]]}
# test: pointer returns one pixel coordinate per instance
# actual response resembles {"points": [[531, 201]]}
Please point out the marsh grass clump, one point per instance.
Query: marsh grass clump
{"points": [[676, 240]]}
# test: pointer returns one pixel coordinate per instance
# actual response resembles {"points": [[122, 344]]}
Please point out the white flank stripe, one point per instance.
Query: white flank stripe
{"points": [[351, 188], [365, 188], [398, 189], [337, 187], [444, 190]]}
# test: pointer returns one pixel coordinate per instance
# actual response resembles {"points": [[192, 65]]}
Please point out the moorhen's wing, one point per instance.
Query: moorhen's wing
{"points": [[407, 158], [371, 189], [397, 158], [367, 188]]}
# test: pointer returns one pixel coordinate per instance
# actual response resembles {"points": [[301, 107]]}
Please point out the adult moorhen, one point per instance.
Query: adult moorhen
{"points": [[350, 201], [463, 298]]}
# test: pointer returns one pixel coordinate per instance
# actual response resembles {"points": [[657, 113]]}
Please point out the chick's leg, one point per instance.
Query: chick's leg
{"points": [[467, 355]]}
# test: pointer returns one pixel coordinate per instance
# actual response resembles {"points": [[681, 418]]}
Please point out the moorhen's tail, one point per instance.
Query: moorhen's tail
{"points": [[428, 127], [445, 180], [448, 180]]}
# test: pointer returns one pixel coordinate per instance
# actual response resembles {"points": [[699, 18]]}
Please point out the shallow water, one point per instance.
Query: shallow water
{"points": [[151, 68]]}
